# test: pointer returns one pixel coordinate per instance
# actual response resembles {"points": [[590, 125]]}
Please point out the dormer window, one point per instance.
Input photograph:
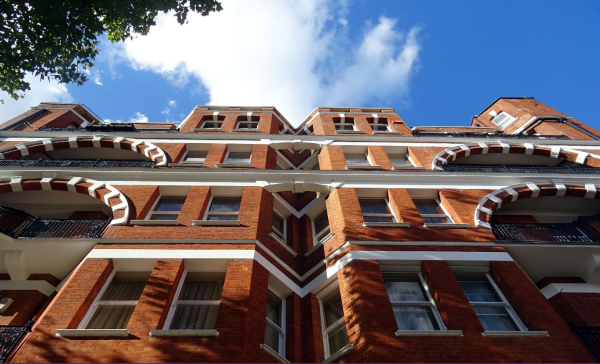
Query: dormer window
{"points": [[503, 120], [378, 124], [343, 123], [248, 122], [213, 122]]}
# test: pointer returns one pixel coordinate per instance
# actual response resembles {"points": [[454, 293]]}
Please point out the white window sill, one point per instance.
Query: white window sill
{"points": [[349, 132], [92, 332], [287, 247], [386, 224], [233, 165], [274, 354], [216, 222], [429, 333], [206, 129], [516, 333], [387, 132], [244, 130], [154, 222], [315, 247], [339, 354], [406, 166], [361, 166], [159, 333], [187, 164], [446, 226]]}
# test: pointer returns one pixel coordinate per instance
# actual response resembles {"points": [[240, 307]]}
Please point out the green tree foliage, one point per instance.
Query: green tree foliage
{"points": [[57, 39]]}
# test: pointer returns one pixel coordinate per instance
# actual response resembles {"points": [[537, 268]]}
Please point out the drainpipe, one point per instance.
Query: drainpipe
{"points": [[26, 118]]}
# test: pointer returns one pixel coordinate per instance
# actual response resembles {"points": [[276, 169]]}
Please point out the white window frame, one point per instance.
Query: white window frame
{"points": [[320, 237], [368, 163], [406, 158], [511, 312], [219, 122], [429, 303], [176, 301], [387, 202], [282, 330], [343, 123], [184, 161], [507, 120], [227, 157], [154, 212], [237, 125], [376, 122], [207, 213], [284, 232], [326, 330], [98, 302], [444, 215]]}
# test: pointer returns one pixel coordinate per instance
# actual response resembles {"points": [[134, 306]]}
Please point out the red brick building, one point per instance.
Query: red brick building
{"points": [[237, 237]]}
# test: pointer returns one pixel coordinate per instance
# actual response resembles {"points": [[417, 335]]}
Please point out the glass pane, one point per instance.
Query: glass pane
{"points": [[272, 338], [397, 159], [478, 289], [332, 308], [239, 157], [374, 207], [248, 125], [111, 317], [356, 158], [379, 127], [321, 222], [495, 319], [212, 124], [415, 318], [201, 291], [225, 205], [222, 217], [278, 222], [337, 339], [409, 289], [274, 304], [170, 204], [435, 220], [196, 156], [378, 219], [344, 126], [195, 317], [163, 217], [428, 207], [124, 289]]}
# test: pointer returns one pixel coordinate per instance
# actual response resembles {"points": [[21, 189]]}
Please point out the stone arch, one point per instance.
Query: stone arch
{"points": [[493, 201], [98, 141], [464, 150], [112, 197]]}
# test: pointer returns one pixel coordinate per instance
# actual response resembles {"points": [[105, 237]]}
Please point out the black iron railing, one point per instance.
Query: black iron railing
{"points": [[590, 335], [585, 231], [112, 128], [76, 163], [501, 168], [19, 224], [497, 135], [10, 335]]}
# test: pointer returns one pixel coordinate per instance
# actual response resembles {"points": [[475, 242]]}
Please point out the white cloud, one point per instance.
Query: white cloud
{"points": [[291, 54], [138, 118], [167, 111], [94, 75], [40, 91]]}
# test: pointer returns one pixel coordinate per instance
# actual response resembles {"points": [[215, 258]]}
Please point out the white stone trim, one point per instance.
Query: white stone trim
{"points": [[553, 289], [23, 149], [15, 184], [161, 333], [535, 190], [92, 332], [429, 333], [73, 142], [590, 190], [38, 285]]}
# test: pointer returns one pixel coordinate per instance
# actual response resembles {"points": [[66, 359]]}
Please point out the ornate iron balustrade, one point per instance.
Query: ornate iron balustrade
{"points": [[497, 135], [111, 129], [19, 224], [10, 335], [501, 168], [590, 335], [76, 163]]}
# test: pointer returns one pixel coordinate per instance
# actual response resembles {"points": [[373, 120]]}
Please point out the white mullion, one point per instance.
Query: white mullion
{"points": [[334, 326], [445, 211], [199, 303], [116, 303], [174, 303], [434, 309], [509, 309], [152, 208], [206, 213], [93, 307]]}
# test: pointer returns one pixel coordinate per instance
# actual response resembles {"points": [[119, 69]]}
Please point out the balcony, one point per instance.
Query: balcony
{"points": [[584, 232], [76, 163], [501, 168], [497, 135], [20, 225], [10, 335], [112, 128]]}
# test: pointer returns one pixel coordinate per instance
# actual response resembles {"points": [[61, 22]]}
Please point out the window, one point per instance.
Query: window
{"points": [[376, 210], [321, 227], [241, 125], [116, 301], [490, 305], [197, 302], [413, 305], [399, 159], [238, 157], [357, 159], [378, 124], [279, 226], [166, 208], [343, 123], [275, 329], [432, 212], [333, 323], [503, 120], [215, 123], [195, 157], [223, 208]]}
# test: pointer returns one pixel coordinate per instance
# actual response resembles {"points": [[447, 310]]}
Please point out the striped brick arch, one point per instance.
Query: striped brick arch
{"points": [[461, 151], [506, 195], [139, 146], [102, 191]]}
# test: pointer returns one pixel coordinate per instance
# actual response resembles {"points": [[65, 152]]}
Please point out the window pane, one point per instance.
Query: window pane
{"points": [[111, 317], [222, 217], [239, 157], [415, 318], [225, 205], [195, 317], [201, 291], [321, 222], [478, 290], [278, 222], [124, 289], [428, 207], [408, 290], [272, 338], [212, 124], [373, 207], [435, 220], [337, 339], [332, 308], [495, 319], [163, 217], [379, 127], [274, 304], [344, 126], [356, 158], [170, 204], [247, 125], [378, 219], [397, 159], [196, 156]]}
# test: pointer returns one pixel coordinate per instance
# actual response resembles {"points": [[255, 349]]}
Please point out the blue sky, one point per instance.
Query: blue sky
{"points": [[435, 62]]}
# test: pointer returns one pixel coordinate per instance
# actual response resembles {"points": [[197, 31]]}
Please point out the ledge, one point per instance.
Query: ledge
{"points": [[244, 130], [446, 226], [159, 333], [429, 333], [234, 165], [287, 247], [187, 164], [407, 166], [349, 132], [516, 333], [216, 222], [315, 247], [361, 166], [336, 356], [92, 332], [388, 132], [206, 129], [274, 354], [154, 222], [386, 224]]}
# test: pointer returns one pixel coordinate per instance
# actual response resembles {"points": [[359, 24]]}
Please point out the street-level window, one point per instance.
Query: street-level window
{"points": [[490, 305], [274, 330], [376, 210], [343, 123], [197, 302], [166, 208], [432, 212], [223, 208], [116, 301], [333, 323], [195, 157], [238, 157], [412, 303], [321, 227], [279, 226]]}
